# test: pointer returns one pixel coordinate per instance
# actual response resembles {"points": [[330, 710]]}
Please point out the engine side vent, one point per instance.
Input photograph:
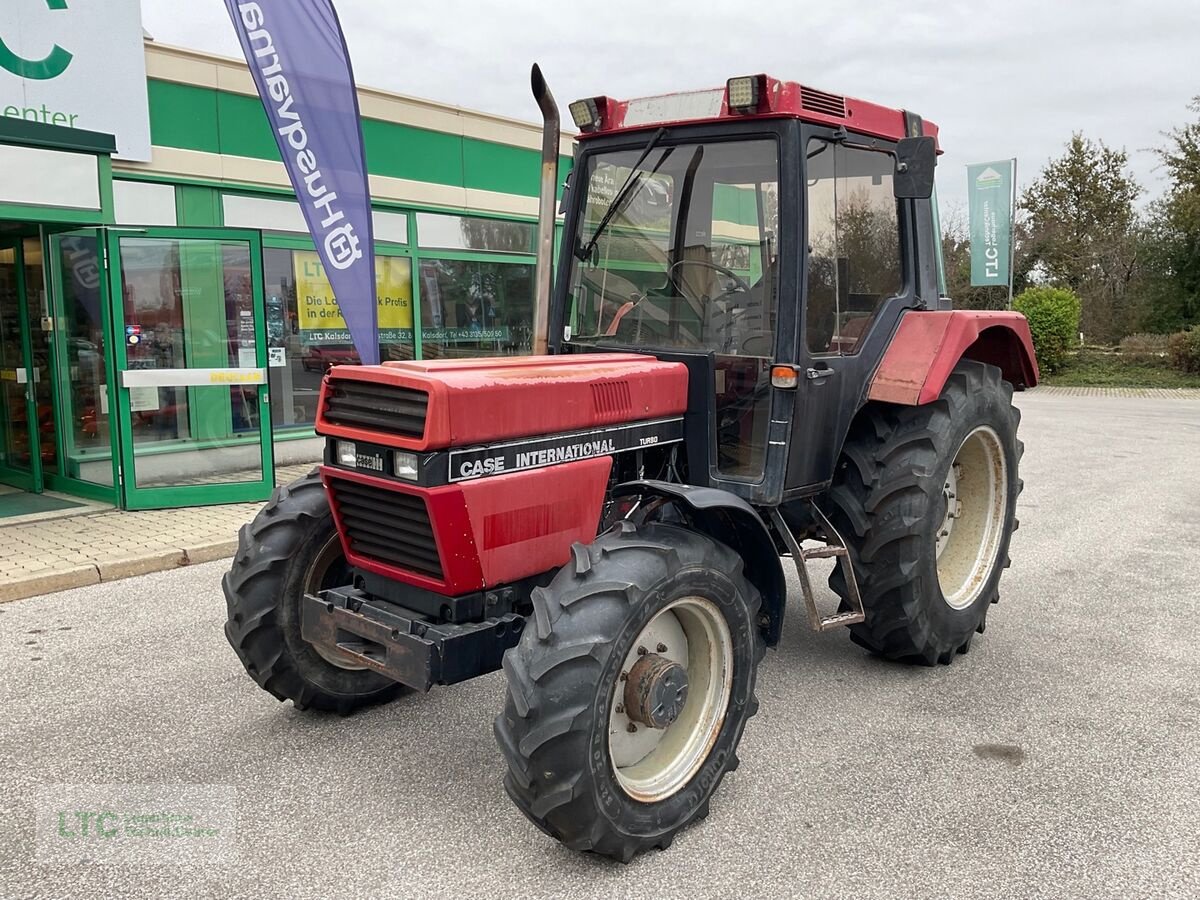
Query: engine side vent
{"points": [[386, 408], [611, 400], [821, 102], [389, 527]]}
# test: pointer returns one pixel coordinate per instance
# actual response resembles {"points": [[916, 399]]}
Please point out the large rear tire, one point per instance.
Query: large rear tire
{"points": [[628, 696], [926, 496], [289, 549]]}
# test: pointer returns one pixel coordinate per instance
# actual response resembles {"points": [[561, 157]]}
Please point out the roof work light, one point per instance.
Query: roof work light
{"points": [[587, 113], [744, 93]]}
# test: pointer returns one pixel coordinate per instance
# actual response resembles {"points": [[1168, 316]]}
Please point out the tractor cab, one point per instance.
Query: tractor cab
{"points": [[759, 234]]}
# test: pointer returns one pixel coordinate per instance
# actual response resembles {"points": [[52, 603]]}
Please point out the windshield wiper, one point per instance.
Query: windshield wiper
{"points": [[584, 252]]}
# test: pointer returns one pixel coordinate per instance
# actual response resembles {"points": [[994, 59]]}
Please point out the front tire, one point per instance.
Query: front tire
{"points": [[627, 699], [289, 549], [926, 496]]}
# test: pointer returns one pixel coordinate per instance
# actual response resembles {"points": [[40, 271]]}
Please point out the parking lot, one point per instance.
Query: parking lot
{"points": [[1060, 757]]}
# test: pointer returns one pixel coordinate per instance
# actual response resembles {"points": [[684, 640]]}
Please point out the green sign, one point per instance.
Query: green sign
{"points": [[990, 196]]}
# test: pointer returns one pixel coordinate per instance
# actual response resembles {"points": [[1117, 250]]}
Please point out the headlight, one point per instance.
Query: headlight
{"points": [[347, 453], [404, 465]]}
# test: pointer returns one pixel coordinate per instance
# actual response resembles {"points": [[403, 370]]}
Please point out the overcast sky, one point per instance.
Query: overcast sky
{"points": [[1001, 79]]}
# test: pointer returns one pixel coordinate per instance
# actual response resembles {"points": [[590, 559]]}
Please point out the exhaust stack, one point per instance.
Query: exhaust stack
{"points": [[544, 277]]}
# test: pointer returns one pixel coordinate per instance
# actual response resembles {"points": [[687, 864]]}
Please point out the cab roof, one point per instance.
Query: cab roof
{"points": [[775, 99]]}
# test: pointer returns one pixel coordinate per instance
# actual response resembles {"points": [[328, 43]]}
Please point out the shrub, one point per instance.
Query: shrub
{"points": [[1146, 349], [1144, 344], [1053, 315], [1184, 350]]}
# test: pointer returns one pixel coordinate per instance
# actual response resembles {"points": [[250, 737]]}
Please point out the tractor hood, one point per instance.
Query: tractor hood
{"points": [[437, 404]]}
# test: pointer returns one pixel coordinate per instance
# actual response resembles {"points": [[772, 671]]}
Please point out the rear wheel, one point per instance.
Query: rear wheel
{"points": [[926, 497], [292, 548], [627, 700]]}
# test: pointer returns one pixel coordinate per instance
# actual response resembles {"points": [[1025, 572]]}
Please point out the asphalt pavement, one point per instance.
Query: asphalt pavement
{"points": [[1059, 758]]}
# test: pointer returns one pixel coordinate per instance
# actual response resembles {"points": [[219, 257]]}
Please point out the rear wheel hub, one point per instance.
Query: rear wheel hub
{"points": [[976, 498]]}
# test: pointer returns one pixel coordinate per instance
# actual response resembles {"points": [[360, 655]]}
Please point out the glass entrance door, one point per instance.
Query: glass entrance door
{"points": [[20, 446], [190, 348], [75, 330]]}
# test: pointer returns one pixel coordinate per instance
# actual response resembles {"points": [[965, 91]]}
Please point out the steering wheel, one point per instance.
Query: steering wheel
{"points": [[740, 284]]}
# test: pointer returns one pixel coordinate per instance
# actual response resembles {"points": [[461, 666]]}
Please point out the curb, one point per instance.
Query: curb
{"points": [[51, 581]]}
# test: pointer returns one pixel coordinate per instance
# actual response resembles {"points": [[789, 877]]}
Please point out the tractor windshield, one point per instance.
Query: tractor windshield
{"points": [[685, 256]]}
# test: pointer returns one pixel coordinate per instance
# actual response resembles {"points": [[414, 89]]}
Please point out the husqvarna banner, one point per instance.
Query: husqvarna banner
{"points": [[990, 195], [299, 60]]}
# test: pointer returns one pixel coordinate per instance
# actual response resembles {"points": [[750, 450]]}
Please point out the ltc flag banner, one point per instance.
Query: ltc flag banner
{"points": [[300, 63], [990, 195]]}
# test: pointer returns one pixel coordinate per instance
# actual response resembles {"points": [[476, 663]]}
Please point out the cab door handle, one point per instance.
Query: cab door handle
{"points": [[813, 374]]}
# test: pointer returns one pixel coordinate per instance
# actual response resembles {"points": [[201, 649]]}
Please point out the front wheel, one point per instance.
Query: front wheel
{"points": [[290, 549], [627, 699]]}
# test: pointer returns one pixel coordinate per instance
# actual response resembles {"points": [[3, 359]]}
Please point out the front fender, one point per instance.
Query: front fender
{"points": [[729, 519]]}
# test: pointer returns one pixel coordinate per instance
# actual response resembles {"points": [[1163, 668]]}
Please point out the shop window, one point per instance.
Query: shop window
{"points": [[263, 214], [33, 176], [306, 333], [472, 308], [144, 203], [390, 227], [286, 216], [853, 244], [474, 233]]}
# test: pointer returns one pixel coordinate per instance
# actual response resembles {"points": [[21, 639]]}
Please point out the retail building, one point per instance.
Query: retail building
{"points": [[164, 320]]}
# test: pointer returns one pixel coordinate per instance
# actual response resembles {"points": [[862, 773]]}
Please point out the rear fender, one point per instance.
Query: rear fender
{"points": [[729, 519], [928, 345]]}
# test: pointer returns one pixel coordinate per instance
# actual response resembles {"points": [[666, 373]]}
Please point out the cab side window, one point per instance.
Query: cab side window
{"points": [[853, 244]]}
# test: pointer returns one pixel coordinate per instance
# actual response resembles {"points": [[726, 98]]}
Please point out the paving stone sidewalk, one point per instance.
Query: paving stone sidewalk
{"points": [[55, 554], [1050, 390]]}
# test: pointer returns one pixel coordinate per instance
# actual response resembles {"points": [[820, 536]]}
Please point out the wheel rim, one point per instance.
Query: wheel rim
{"points": [[328, 570], [686, 649], [976, 495]]}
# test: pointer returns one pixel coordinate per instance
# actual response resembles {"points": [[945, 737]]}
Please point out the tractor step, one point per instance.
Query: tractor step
{"points": [[824, 552], [835, 549]]}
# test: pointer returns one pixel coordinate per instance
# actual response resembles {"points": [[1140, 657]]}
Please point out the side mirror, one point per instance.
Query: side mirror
{"points": [[916, 158]]}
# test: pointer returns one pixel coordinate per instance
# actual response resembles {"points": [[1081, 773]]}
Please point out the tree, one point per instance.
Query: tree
{"points": [[1081, 233], [1173, 234]]}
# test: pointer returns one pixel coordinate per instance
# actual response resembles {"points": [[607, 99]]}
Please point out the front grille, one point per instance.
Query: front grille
{"points": [[386, 408], [387, 526]]}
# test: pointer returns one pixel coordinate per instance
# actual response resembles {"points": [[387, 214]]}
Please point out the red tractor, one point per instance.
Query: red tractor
{"points": [[747, 355]]}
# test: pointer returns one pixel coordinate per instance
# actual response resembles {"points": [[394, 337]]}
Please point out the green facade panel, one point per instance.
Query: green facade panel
{"points": [[210, 121], [243, 127], [184, 116], [500, 168], [198, 207], [401, 151]]}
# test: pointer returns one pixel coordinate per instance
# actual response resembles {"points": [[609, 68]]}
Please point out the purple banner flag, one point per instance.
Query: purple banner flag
{"points": [[299, 60]]}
